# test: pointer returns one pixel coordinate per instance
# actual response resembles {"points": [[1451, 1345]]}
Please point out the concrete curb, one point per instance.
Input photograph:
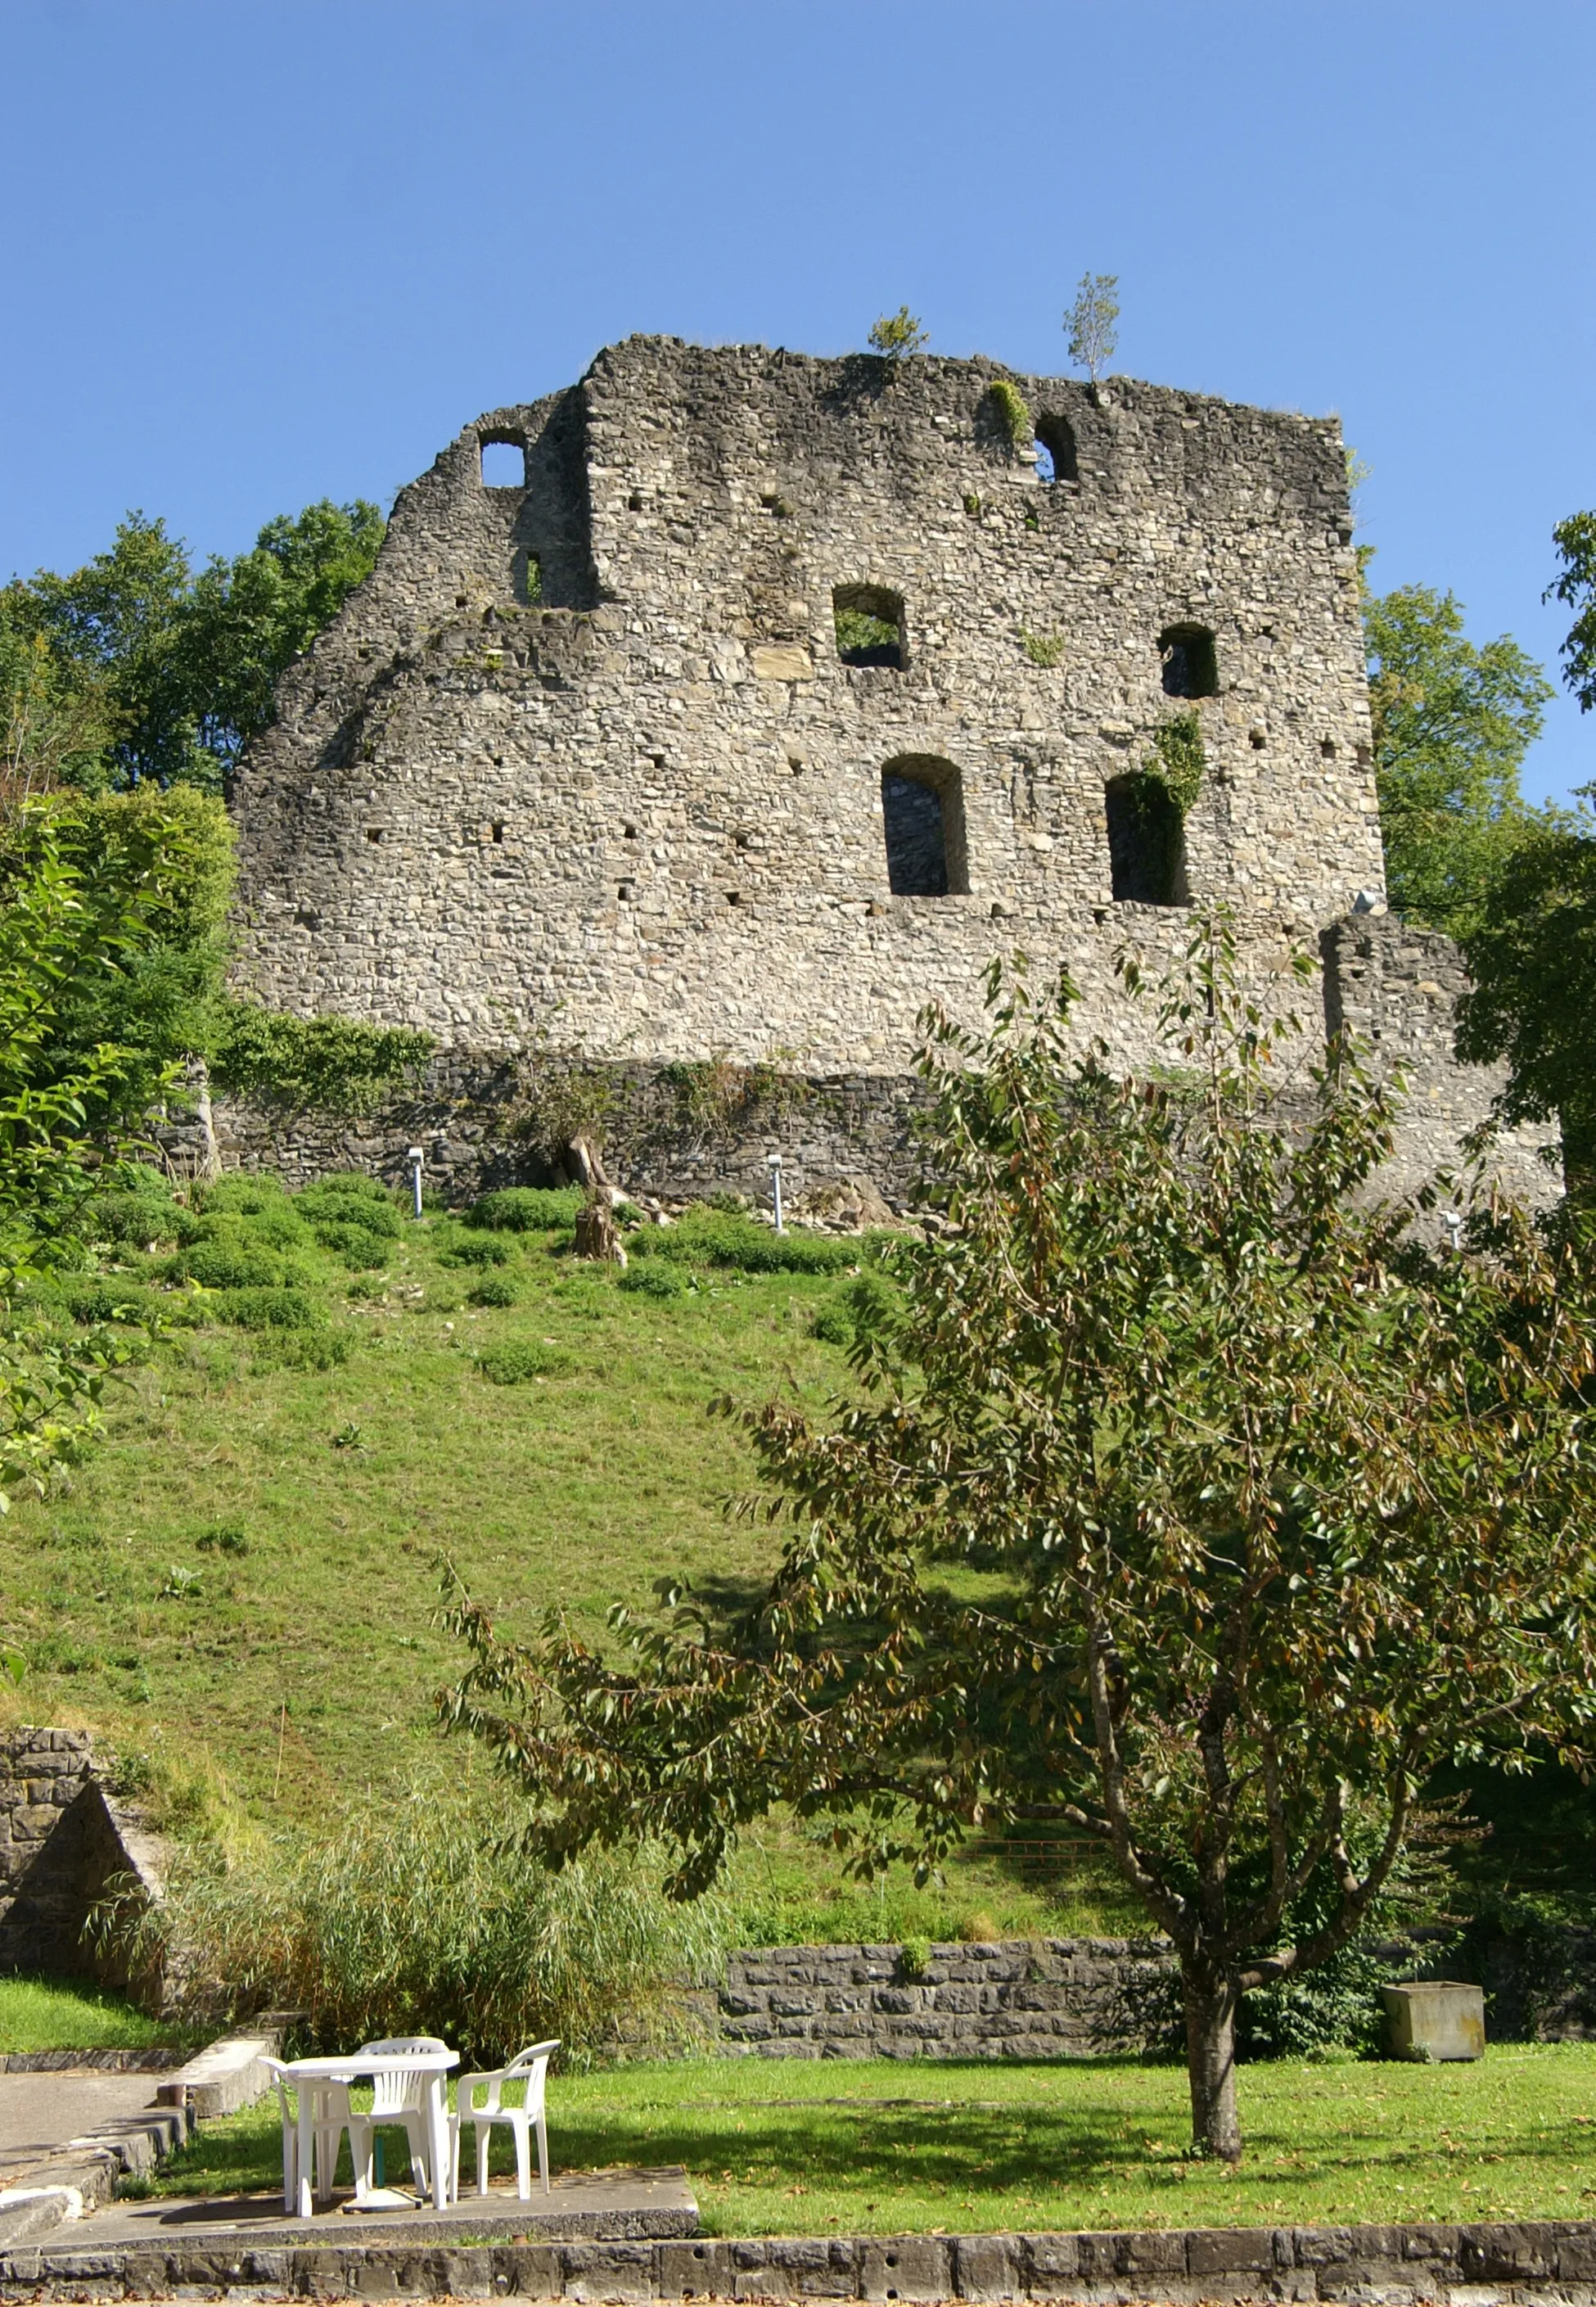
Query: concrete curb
{"points": [[154, 2061], [228, 2074], [1490, 2265]]}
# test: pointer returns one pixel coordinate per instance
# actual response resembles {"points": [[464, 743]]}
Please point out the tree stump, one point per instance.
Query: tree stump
{"points": [[596, 1232]]}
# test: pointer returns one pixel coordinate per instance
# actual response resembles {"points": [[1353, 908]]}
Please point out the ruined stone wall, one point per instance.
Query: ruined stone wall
{"points": [[61, 1842], [643, 816]]}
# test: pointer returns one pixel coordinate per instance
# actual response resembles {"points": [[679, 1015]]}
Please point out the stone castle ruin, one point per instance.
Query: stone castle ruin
{"points": [[712, 715]]}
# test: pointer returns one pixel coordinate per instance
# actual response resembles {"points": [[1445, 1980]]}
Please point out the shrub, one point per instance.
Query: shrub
{"points": [[245, 1192], [222, 1538], [706, 1237], [865, 1308], [475, 1249], [421, 1914], [914, 1958], [361, 1249], [494, 1289], [138, 1218], [234, 1261], [833, 1323], [526, 1209], [654, 1280], [1014, 417], [269, 1309], [352, 1199], [514, 1363]]}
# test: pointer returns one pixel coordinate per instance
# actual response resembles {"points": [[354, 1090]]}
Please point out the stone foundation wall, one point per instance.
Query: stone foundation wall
{"points": [[61, 1840], [1009, 1999]]}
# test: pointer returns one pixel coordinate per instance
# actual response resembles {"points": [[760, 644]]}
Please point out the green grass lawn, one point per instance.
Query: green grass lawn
{"points": [[788, 2146], [242, 1582], [46, 2014]]}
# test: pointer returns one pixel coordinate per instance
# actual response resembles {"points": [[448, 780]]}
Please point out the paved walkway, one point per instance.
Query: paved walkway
{"points": [[41, 2114], [621, 2205]]}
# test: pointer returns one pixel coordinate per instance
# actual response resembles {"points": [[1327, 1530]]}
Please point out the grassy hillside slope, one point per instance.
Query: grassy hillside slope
{"points": [[243, 1579]]}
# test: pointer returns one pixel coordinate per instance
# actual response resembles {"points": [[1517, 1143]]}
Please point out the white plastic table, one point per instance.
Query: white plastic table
{"points": [[353, 2066]]}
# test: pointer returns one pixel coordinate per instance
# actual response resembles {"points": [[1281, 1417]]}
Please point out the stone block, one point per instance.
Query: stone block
{"points": [[599, 2271], [523, 2270], [1230, 2251], [802, 2267], [1509, 2253], [1435, 2019], [693, 2270], [988, 2267], [906, 2267], [1052, 2264]]}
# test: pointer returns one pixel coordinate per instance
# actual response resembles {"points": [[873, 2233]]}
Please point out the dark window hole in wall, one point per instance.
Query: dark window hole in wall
{"points": [[504, 464], [1189, 662], [922, 808], [869, 622], [526, 577], [635, 501], [497, 829], [1147, 842], [374, 832], [1054, 444]]}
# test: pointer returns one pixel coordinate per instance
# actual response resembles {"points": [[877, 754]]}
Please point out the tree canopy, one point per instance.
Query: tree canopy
{"points": [[1194, 1497], [136, 670], [1575, 587], [1453, 721]]}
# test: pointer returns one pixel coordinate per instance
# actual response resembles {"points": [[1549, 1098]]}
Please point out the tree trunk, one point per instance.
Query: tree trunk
{"points": [[596, 1234], [1211, 2067]]}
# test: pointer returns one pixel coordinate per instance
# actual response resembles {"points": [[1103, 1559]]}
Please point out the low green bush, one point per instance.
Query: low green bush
{"points": [[865, 1306], [513, 1363], [494, 1289], [360, 1248], [266, 1308], [246, 1193], [654, 1278], [351, 1201], [474, 1250], [708, 1236], [139, 1220], [107, 1300], [235, 1261], [526, 1209]]}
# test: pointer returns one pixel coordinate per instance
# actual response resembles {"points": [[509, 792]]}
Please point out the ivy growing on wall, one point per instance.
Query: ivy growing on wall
{"points": [[1177, 760]]}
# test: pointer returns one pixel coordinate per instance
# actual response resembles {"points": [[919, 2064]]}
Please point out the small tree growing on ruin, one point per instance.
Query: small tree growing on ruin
{"points": [[1192, 1498], [898, 334], [1091, 323]]}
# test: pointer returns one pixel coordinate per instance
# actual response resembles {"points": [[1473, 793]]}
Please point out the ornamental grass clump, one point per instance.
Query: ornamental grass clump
{"points": [[419, 1914]]}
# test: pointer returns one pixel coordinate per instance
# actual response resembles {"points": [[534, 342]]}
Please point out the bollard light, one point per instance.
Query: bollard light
{"points": [[415, 1158], [774, 1161]]}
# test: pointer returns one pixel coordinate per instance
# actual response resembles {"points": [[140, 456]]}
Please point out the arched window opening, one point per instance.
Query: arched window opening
{"points": [[1190, 664], [504, 464], [1147, 842], [1055, 449], [869, 622], [922, 808]]}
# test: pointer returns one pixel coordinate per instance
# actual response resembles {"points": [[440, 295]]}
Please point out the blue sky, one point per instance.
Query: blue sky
{"points": [[259, 252]]}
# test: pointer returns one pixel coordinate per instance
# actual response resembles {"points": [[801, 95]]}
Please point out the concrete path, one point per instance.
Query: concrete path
{"points": [[41, 2114], [619, 2205]]}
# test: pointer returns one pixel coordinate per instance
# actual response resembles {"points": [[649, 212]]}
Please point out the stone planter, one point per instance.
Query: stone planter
{"points": [[1436, 2018]]}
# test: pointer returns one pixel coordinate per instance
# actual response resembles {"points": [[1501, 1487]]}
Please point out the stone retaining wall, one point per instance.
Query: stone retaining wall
{"points": [[1480, 2266], [62, 1840], [1008, 1999]]}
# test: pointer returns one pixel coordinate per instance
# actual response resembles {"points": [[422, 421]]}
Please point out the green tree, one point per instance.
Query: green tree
{"points": [[246, 620], [1575, 587], [134, 671], [1451, 724], [1533, 957], [68, 926], [895, 335], [1193, 1500], [1092, 321]]}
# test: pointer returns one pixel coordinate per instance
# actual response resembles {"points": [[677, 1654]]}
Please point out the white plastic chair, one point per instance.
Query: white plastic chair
{"points": [[330, 2115], [530, 2066], [400, 2096]]}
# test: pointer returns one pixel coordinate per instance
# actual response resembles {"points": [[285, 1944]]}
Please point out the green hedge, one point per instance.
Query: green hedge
{"points": [[706, 1237]]}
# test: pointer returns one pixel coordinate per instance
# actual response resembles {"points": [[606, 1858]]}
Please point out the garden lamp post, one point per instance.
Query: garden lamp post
{"points": [[415, 1157], [774, 1161]]}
